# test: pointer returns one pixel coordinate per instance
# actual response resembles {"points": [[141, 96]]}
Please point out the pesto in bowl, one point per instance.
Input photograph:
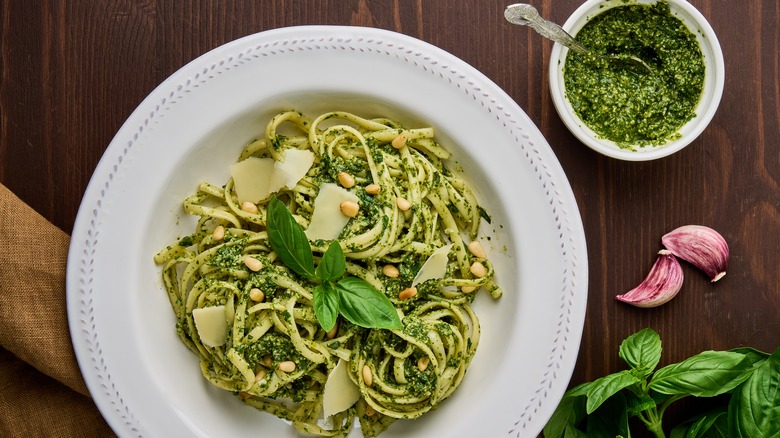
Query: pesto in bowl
{"points": [[636, 108], [630, 115]]}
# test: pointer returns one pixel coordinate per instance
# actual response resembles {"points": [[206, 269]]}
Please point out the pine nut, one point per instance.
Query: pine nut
{"points": [[244, 395], [253, 264], [256, 294], [422, 363], [218, 233], [346, 180], [370, 411], [368, 379], [476, 249], [478, 269], [249, 207], [260, 375], [349, 208], [373, 189], [391, 271], [286, 366], [267, 361], [332, 333], [407, 293], [399, 141], [403, 204], [468, 289]]}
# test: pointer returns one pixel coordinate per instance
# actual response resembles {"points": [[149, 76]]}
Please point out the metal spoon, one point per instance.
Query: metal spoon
{"points": [[527, 15]]}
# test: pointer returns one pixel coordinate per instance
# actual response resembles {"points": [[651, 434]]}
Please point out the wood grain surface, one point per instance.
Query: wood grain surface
{"points": [[73, 71]]}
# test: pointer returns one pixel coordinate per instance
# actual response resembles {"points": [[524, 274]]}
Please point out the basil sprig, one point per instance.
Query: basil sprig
{"points": [[352, 297], [748, 380]]}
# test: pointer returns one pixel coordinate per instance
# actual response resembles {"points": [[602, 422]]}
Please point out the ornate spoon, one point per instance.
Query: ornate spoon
{"points": [[527, 15]]}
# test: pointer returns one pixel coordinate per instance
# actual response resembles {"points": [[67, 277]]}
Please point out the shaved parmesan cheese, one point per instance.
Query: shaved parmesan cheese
{"points": [[327, 221], [252, 178], [293, 166], [340, 391], [434, 267], [212, 325]]}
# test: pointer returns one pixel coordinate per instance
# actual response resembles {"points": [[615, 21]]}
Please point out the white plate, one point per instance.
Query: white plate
{"points": [[143, 379]]}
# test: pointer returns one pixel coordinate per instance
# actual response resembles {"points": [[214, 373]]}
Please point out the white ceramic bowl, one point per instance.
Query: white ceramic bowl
{"points": [[713, 81], [193, 126]]}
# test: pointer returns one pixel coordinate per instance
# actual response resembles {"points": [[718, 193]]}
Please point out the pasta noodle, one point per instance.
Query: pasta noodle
{"points": [[275, 356]]}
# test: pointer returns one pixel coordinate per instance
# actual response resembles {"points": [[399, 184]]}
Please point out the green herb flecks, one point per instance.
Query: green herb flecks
{"points": [[229, 255]]}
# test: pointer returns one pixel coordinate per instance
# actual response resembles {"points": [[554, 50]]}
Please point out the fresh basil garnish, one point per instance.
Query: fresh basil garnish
{"points": [[354, 298], [288, 240], [333, 263], [326, 305], [364, 305]]}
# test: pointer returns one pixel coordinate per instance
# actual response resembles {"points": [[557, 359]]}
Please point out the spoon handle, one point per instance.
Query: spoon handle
{"points": [[527, 15]]}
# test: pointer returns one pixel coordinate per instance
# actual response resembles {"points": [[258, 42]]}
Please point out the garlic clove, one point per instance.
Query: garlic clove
{"points": [[661, 285], [700, 246]]}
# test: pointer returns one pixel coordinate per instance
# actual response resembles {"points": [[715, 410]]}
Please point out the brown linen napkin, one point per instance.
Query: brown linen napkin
{"points": [[42, 392]]}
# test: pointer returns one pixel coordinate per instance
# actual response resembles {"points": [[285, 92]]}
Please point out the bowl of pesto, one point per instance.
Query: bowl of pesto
{"points": [[636, 114]]}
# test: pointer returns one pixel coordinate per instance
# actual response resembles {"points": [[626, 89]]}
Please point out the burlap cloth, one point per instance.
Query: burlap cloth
{"points": [[42, 393]]}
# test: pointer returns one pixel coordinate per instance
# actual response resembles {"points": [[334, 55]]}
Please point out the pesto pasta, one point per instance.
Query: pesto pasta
{"points": [[253, 321]]}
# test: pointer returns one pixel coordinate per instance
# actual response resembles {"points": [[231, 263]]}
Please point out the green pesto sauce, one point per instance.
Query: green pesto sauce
{"points": [[229, 255], [628, 108]]}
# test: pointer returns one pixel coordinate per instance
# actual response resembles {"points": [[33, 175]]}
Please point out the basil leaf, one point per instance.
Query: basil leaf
{"points": [[569, 413], [326, 305], [610, 419], [720, 428], [333, 263], [705, 425], [706, 374], [363, 305], [678, 432], [642, 351], [636, 404], [607, 386], [581, 389], [754, 409], [755, 356], [288, 240], [573, 432]]}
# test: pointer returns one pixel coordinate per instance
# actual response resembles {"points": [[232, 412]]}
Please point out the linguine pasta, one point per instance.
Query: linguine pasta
{"points": [[275, 356]]}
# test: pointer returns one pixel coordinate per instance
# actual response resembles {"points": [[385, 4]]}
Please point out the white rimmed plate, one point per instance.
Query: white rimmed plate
{"points": [[189, 129]]}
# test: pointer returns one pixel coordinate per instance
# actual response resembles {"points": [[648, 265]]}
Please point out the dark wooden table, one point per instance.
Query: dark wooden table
{"points": [[73, 71]]}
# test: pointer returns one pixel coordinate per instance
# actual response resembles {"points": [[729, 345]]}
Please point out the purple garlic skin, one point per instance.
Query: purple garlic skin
{"points": [[661, 285], [700, 246]]}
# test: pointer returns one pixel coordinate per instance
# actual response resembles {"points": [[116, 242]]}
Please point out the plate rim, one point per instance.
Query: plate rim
{"points": [[84, 333]]}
